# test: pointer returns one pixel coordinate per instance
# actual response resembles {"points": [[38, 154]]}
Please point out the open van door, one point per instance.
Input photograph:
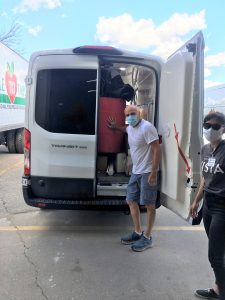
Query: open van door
{"points": [[180, 117]]}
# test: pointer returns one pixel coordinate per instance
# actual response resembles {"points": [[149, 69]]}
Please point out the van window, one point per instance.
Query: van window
{"points": [[66, 100]]}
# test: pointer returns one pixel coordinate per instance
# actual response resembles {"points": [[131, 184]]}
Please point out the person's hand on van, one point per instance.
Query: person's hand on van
{"points": [[111, 123]]}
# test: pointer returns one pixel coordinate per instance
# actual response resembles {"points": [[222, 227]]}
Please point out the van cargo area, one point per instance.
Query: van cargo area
{"points": [[113, 157]]}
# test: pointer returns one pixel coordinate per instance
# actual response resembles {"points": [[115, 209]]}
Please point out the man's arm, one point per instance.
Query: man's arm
{"points": [[155, 154], [111, 123]]}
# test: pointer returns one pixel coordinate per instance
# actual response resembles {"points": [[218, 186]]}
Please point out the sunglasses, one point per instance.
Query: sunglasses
{"points": [[213, 126]]}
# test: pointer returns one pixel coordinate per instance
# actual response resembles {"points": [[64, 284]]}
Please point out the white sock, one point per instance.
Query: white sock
{"points": [[139, 233], [147, 237]]}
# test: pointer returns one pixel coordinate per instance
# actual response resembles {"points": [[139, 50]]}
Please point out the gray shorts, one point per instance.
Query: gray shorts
{"points": [[140, 191]]}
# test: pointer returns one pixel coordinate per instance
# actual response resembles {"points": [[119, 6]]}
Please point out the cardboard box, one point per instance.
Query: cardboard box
{"points": [[102, 162], [121, 162]]}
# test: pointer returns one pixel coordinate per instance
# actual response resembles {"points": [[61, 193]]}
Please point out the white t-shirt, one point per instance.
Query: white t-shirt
{"points": [[139, 138]]}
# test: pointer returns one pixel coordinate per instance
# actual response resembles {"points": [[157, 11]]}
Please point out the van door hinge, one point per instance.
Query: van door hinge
{"points": [[191, 47], [28, 80]]}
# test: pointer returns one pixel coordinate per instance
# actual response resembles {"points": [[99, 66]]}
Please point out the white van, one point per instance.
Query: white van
{"points": [[68, 159]]}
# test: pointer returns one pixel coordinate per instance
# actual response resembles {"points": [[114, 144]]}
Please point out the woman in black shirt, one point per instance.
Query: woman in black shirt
{"points": [[212, 188]]}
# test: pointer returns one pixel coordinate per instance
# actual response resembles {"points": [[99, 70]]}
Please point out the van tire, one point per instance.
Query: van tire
{"points": [[11, 141], [19, 141]]}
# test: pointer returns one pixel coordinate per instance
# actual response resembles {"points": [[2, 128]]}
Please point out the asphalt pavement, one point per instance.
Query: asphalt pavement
{"points": [[77, 255]]}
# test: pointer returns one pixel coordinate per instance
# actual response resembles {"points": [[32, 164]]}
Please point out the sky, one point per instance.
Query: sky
{"points": [[153, 27]]}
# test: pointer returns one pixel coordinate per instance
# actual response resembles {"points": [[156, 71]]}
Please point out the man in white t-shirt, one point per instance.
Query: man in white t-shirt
{"points": [[142, 188]]}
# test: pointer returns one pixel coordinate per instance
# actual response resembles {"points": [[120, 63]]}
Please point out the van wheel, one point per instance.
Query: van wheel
{"points": [[11, 141], [19, 140]]}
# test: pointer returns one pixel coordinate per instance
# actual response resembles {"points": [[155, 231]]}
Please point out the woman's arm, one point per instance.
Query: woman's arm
{"points": [[194, 207]]}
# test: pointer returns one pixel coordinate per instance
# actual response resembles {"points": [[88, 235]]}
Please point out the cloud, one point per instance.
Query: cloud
{"points": [[207, 72], [34, 30], [216, 60], [213, 61], [162, 39], [3, 14], [210, 83], [124, 32], [35, 5], [206, 49], [181, 25]]}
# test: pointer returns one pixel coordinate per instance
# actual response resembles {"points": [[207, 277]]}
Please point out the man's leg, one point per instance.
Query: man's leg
{"points": [[133, 193], [148, 198], [145, 241], [135, 214], [151, 213]]}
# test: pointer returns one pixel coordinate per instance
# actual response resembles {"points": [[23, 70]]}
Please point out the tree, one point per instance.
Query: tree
{"points": [[11, 37]]}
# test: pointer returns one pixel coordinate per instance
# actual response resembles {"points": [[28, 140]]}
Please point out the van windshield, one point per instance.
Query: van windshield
{"points": [[66, 100]]}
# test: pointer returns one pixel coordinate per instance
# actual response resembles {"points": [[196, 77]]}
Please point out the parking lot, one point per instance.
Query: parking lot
{"points": [[77, 255]]}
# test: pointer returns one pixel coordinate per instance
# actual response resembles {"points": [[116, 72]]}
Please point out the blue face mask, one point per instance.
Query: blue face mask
{"points": [[132, 120]]}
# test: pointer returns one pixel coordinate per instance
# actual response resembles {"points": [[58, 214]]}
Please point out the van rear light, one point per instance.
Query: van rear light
{"points": [[41, 204], [97, 50], [27, 139]]}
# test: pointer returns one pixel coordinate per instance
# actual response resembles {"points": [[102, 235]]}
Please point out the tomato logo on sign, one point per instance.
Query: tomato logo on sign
{"points": [[11, 82]]}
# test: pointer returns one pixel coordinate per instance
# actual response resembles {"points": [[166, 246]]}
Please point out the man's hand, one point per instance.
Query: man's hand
{"points": [[152, 178], [111, 123]]}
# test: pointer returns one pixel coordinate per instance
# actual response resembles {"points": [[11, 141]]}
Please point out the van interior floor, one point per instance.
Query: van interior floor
{"points": [[117, 178]]}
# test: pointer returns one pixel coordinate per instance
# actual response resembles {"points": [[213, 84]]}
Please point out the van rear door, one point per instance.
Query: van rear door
{"points": [[62, 122], [180, 117]]}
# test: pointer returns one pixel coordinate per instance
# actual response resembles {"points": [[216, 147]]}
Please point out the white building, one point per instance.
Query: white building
{"points": [[214, 99]]}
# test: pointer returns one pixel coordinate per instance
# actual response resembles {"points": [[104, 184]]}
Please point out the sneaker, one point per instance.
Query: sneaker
{"points": [[130, 238], [142, 244], [206, 294]]}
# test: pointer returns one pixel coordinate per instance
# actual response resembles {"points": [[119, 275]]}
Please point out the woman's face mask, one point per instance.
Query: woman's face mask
{"points": [[132, 119], [213, 135]]}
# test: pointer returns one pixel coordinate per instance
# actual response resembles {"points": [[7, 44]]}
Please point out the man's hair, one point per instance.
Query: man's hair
{"points": [[215, 115], [133, 107]]}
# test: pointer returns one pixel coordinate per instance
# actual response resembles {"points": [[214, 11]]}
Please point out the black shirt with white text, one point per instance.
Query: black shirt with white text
{"points": [[213, 168]]}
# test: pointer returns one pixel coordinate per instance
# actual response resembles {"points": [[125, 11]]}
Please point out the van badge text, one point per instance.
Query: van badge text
{"points": [[69, 146]]}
